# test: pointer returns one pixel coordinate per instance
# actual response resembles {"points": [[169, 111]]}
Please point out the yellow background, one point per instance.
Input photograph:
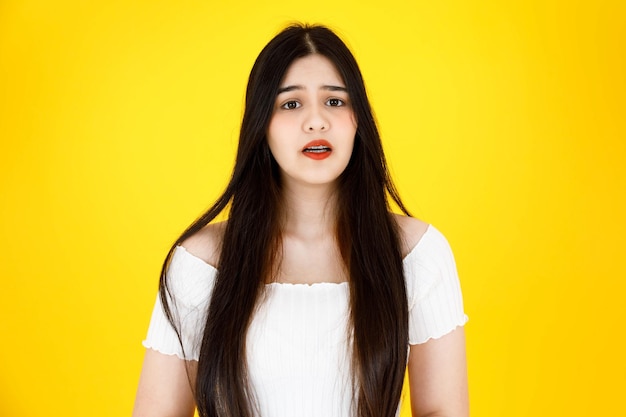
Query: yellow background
{"points": [[504, 123]]}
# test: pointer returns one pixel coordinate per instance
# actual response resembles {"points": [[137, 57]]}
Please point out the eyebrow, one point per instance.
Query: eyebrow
{"points": [[289, 88]]}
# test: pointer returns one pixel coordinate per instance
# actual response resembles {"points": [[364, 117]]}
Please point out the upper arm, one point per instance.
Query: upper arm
{"points": [[165, 386], [438, 376], [167, 382]]}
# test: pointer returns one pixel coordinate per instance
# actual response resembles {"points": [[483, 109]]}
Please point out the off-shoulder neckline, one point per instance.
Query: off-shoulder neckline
{"points": [[429, 230]]}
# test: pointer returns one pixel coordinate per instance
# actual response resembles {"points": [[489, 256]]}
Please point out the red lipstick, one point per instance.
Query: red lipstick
{"points": [[317, 149]]}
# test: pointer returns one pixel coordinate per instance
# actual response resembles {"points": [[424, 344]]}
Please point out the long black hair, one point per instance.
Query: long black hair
{"points": [[366, 232]]}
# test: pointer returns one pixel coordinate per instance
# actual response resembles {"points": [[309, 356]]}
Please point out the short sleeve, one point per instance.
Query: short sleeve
{"points": [[190, 283], [433, 289]]}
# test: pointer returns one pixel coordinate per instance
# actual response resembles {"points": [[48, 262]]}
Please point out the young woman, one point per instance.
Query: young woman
{"points": [[312, 297]]}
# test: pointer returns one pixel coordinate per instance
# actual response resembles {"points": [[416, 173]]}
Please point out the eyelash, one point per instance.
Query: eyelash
{"points": [[288, 105], [340, 102]]}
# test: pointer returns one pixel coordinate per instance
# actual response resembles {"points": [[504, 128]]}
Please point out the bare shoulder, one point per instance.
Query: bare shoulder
{"points": [[206, 244], [411, 230]]}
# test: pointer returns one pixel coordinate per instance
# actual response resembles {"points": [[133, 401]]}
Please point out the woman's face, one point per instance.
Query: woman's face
{"points": [[311, 132]]}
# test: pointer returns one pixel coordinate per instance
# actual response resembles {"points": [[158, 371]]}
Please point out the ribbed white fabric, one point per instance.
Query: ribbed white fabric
{"points": [[298, 353]]}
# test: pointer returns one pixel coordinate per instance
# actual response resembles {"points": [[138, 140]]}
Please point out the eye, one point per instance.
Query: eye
{"points": [[290, 105], [335, 102]]}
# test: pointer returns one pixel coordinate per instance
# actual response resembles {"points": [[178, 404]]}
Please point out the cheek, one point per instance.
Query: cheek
{"points": [[350, 129], [351, 124], [277, 141], [277, 127], [273, 133]]}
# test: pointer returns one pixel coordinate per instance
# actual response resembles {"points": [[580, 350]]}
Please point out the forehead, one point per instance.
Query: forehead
{"points": [[312, 69]]}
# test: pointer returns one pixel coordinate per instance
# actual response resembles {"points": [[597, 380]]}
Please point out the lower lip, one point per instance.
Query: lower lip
{"points": [[317, 155]]}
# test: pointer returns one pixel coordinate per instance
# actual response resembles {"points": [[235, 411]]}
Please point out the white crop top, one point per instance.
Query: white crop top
{"points": [[298, 350]]}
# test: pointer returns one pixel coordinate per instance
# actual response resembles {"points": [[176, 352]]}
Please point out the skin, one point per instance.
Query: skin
{"points": [[314, 107], [437, 368]]}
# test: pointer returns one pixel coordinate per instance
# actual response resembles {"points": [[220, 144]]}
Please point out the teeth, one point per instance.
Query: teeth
{"points": [[317, 149]]}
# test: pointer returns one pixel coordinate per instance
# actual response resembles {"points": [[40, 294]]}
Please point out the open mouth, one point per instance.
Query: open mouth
{"points": [[317, 149]]}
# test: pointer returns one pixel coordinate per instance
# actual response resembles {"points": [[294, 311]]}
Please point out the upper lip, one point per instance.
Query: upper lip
{"points": [[317, 143]]}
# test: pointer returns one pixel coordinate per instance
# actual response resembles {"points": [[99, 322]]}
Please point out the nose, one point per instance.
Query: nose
{"points": [[315, 120]]}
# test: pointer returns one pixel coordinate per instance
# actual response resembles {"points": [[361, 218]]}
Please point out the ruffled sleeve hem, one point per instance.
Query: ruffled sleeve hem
{"points": [[190, 284], [433, 289]]}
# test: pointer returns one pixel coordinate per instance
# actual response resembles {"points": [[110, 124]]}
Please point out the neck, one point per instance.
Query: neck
{"points": [[309, 211]]}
